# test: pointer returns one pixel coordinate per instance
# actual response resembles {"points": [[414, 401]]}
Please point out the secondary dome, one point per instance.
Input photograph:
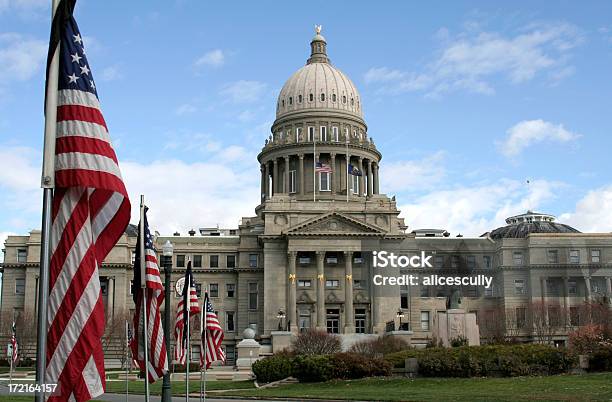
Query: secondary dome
{"points": [[520, 226], [319, 86]]}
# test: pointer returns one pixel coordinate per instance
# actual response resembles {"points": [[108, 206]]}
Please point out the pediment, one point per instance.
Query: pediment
{"points": [[335, 224], [304, 297]]}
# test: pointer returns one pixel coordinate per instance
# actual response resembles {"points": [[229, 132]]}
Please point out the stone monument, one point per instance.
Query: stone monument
{"points": [[455, 323], [248, 349]]}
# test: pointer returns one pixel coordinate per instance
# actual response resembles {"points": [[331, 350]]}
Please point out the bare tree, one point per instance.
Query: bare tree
{"points": [[313, 342]]}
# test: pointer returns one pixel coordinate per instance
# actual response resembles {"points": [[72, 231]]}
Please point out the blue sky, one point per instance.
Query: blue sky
{"points": [[466, 101]]}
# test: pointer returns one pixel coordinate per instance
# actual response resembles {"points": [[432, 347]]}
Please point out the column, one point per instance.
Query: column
{"points": [[291, 293], [275, 181], [267, 181], [332, 164], [349, 318], [370, 176], [286, 189], [376, 183], [348, 176], [568, 319], [609, 289], [262, 195], [110, 297], [302, 175], [320, 291], [587, 285], [316, 176], [361, 178]]}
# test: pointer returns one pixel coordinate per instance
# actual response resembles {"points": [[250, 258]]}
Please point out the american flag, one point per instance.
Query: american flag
{"points": [[156, 342], [190, 298], [322, 167], [213, 336], [14, 343], [90, 212]]}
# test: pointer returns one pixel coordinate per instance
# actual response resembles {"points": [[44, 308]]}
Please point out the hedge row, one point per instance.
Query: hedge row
{"points": [[488, 360], [319, 367]]}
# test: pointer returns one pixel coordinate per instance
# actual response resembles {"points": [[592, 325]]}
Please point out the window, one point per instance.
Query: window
{"points": [[488, 292], [360, 320], [324, 181], [355, 184], [521, 317], [214, 261], [519, 287], [133, 257], [438, 261], [595, 255], [335, 133], [346, 134], [132, 287], [332, 283], [230, 323], [291, 100], [551, 288], [357, 258], [214, 290], [425, 320], [455, 261], [104, 287], [195, 352], [230, 354], [352, 101], [298, 134], [322, 97], [517, 258], [332, 259], [333, 97], [252, 295], [304, 260], [572, 287], [198, 287], [197, 261], [574, 257], [304, 283], [20, 286], [311, 97], [358, 284], [22, 255], [230, 261], [232, 232], [553, 256], [311, 134], [292, 181], [180, 260], [472, 291], [333, 321], [574, 316], [230, 290], [554, 316], [304, 320], [343, 98], [323, 132], [471, 261], [486, 261], [299, 98], [424, 291], [252, 260]]}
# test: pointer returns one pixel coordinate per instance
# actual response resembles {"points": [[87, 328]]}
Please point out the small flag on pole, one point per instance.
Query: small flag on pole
{"points": [[322, 168], [190, 298], [91, 210], [213, 336], [156, 341], [14, 342], [353, 170]]}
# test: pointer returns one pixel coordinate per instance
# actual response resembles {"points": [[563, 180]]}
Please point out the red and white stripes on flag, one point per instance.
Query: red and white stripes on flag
{"points": [[213, 336], [14, 345], [180, 336], [156, 341], [90, 212]]}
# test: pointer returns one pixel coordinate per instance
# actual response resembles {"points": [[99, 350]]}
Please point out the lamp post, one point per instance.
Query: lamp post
{"points": [[167, 250], [400, 315], [280, 316]]}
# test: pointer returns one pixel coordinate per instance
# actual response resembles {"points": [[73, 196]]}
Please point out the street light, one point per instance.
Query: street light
{"points": [[167, 250], [280, 316], [400, 315]]}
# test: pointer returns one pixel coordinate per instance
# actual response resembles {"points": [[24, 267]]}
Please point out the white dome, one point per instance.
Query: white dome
{"points": [[319, 86]]}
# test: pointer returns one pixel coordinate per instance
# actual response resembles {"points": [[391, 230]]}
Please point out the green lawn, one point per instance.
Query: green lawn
{"points": [[178, 387], [588, 387], [13, 398]]}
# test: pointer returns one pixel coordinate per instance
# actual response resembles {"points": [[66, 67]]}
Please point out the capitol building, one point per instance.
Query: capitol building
{"points": [[303, 260]]}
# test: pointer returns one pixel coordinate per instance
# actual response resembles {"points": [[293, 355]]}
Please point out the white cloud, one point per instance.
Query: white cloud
{"points": [[185, 108], [475, 210], [20, 57], [593, 213], [244, 91], [529, 132], [413, 174], [24, 6], [213, 58], [112, 73], [472, 59]]}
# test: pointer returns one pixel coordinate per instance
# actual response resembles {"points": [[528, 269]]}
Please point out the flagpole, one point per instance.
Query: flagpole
{"points": [[127, 361], [47, 183], [347, 170], [203, 344], [143, 287], [187, 288], [11, 366], [314, 166], [205, 340]]}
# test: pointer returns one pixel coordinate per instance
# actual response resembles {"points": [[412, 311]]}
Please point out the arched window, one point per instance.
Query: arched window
{"points": [[352, 101], [311, 97], [299, 98], [322, 97], [291, 100], [343, 98], [283, 103], [333, 97]]}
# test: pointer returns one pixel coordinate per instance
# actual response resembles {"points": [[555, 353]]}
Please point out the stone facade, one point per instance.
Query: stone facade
{"points": [[304, 260]]}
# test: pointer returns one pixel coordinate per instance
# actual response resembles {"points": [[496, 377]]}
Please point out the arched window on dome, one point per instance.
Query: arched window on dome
{"points": [[322, 97], [311, 133], [298, 134], [343, 98], [290, 100], [299, 98], [283, 102], [335, 133], [333, 97], [311, 97], [352, 101], [346, 134]]}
